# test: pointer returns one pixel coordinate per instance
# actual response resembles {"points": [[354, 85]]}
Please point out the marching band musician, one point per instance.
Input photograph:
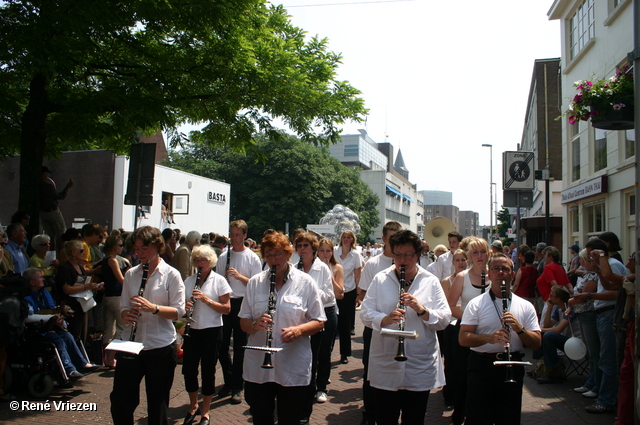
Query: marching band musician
{"points": [[299, 313], [211, 301], [405, 386], [161, 303], [321, 343], [491, 400], [238, 264]]}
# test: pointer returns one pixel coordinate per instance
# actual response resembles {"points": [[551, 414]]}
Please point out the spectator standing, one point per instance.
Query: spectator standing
{"points": [[51, 218], [182, 256]]}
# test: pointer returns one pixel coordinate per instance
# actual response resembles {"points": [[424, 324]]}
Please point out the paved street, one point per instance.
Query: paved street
{"points": [[542, 404]]}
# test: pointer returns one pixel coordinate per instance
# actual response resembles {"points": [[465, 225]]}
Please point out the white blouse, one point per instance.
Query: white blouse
{"points": [[213, 287], [297, 302], [423, 370], [350, 263]]}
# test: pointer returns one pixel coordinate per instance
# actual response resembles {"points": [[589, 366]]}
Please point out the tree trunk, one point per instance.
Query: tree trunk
{"points": [[32, 145]]}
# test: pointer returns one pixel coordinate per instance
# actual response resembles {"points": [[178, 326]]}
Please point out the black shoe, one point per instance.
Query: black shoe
{"points": [[304, 421], [236, 398], [188, 420], [344, 359], [225, 391], [204, 421]]}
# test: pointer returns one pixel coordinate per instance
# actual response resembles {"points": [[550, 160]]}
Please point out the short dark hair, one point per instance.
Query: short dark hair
{"points": [[406, 237], [391, 226], [149, 236], [597, 243], [12, 228], [553, 252], [456, 235], [500, 255], [612, 240], [529, 257], [91, 229]]}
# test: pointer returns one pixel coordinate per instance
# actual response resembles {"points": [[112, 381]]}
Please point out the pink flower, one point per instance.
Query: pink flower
{"points": [[619, 106]]}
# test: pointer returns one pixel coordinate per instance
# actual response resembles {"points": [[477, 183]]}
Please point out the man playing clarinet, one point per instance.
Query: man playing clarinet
{"points": [[489, 326]]}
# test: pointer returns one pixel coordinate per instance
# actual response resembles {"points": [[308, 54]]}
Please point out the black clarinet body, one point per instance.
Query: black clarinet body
{"points": [[145, 275], [271, 310], [226, 269], [505, 308], [188, 318], [400, 354]]}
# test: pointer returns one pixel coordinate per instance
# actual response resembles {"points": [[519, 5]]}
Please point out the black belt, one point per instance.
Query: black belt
{"points": [[603, 309], [515, 356]]}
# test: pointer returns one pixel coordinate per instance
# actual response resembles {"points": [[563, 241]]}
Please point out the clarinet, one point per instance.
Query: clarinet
{"points": [[145, 273], [271, 310], [507, 348], [400, 355], [300, 265], [189, 320], [228, 261]]}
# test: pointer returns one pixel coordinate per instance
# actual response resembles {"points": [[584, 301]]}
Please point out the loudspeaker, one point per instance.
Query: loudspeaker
{"points": [[141, 172]]}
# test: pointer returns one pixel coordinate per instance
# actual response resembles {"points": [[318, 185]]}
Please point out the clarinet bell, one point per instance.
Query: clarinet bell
{"points": [[266, 364], [400, 355], [189, 320], [510, 379]]}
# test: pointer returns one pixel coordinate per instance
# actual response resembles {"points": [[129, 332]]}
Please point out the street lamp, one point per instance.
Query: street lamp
{"points": [[486, 145]]}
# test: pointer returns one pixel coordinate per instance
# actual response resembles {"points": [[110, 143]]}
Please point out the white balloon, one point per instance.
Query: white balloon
{"points": [[575, 349]]}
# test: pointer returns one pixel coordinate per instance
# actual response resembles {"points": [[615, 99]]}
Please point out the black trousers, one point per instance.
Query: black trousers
{"points": [[346, 320], [445, 337], [412, 404], [201, 349], [459, 358], [262, 398], [232, 370], [157, 367], [489, 399], [367, 397]]}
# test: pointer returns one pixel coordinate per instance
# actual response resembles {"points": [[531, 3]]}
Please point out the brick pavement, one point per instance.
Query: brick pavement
{"points": [[542, 404]]}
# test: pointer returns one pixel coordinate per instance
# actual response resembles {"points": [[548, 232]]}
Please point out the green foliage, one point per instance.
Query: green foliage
{"points": [[504, 224], [108, 69], [78, 75], [278, 182]]}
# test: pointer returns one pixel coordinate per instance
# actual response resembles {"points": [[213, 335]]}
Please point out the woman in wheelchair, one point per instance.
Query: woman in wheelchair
{"points": [[43, 310]]}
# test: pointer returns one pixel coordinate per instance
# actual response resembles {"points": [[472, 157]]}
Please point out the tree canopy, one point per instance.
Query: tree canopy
{"points": [[298, 184], [75, 74]]}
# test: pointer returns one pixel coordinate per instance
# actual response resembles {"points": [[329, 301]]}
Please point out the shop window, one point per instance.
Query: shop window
{"points": [[600, 150], [595, 218]]}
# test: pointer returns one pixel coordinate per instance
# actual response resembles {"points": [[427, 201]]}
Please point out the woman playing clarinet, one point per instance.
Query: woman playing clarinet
{"points": [[321, 343], [413, 297], [151, 299], [297, 315], [209, 298]]}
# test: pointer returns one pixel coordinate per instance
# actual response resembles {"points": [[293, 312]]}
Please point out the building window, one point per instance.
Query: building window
{"points": [[575, 220], [582, 27], [575, 159], [351, 150], [595, 218], [632, 205], [630, 144], [600, 150]]}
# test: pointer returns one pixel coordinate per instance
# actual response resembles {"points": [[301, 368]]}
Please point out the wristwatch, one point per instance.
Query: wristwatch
{"points": [[157, 309], [423, 312], [522, 331]]}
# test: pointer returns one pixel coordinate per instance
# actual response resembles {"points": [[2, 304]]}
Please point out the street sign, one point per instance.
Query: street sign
{"points": [[510, 199], [518, 173], [322, 228]]}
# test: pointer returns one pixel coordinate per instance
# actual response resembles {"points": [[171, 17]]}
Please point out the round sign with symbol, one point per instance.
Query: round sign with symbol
{"points": [[519, 171]]}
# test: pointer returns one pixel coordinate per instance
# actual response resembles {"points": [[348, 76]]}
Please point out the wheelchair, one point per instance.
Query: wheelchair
{"points": [[36, 363]]}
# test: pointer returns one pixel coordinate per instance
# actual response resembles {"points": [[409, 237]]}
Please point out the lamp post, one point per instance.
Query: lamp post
{"points": [[486, 145]]}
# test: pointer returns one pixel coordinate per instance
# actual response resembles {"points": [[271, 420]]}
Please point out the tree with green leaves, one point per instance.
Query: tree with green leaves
{"points": [[504, 224], [77, 74], [298, 183]]}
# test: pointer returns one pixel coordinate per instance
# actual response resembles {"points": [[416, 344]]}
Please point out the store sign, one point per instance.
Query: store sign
{"points": [[217, 197], [585, 190]]}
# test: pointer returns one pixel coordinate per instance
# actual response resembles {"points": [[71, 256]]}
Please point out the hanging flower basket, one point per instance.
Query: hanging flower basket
{"points": [[614, 119], [608, 103]]}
